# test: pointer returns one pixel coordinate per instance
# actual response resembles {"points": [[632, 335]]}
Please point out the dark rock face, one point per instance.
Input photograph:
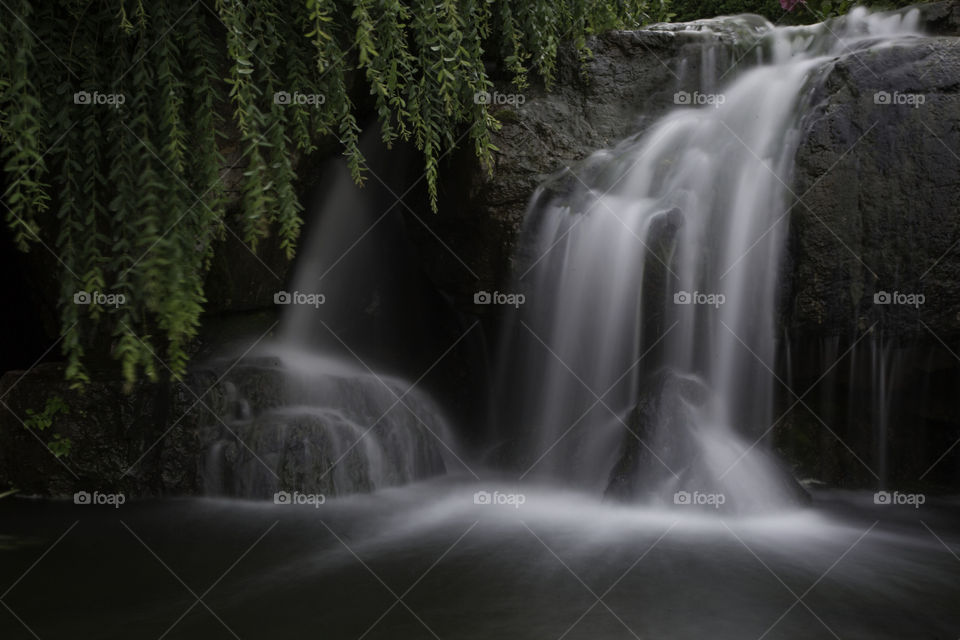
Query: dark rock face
{"points": [[136, 443], [624, 88], [241, 279], [877, 189], [942, 18]]}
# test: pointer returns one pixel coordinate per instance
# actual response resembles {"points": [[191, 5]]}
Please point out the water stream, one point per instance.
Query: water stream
{"points": [[310, 409], [469, 572], [652, 272]]}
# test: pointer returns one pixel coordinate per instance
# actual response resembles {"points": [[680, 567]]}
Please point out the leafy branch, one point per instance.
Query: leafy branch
{"points": [[112, 116]]}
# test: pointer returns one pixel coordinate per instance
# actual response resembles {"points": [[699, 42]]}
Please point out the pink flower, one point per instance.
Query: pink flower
{"points": [[790, 4]]}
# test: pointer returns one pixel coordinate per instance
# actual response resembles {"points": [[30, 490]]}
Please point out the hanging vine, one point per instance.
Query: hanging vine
{"points": [[112, 112]]}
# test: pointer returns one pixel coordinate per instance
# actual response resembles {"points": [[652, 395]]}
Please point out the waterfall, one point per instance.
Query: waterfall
{"points": [[304, 422], [312, 409], [642, 365]]}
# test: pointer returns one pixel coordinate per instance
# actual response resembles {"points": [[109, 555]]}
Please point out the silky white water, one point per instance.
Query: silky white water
{"points": [[651, 273], [474, 572], [641, 367], [304, 410]]}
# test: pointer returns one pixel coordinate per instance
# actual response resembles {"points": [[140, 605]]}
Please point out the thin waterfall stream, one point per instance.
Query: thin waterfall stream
{"points": [[306, 412]]}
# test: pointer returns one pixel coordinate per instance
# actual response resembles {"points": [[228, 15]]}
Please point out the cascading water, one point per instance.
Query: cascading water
{"points": [[306, 411], [643, 361]]}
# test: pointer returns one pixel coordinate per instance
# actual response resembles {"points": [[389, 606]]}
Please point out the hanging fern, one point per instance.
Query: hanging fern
{"points": [[22, 129], [112, 112]]}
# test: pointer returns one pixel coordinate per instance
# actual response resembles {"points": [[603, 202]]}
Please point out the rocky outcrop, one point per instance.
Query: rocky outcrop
{"points": [[323, 429], [244, 429], [877, 189], [660, 424], [941, 18], [145, 442], [628, 83], [875, 246], [668, 451]]}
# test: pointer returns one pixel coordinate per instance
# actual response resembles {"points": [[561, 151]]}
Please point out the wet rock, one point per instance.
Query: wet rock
{"points": [[877, 185], [659, 444], [625, 87], [673, 451], [330, 433], [877, 182], [141, 443], [245, 430]]}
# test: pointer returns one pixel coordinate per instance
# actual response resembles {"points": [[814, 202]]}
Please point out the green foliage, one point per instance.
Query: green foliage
{"points": [[21, 130], [44, 420], [112, 116], [59, 445]]}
